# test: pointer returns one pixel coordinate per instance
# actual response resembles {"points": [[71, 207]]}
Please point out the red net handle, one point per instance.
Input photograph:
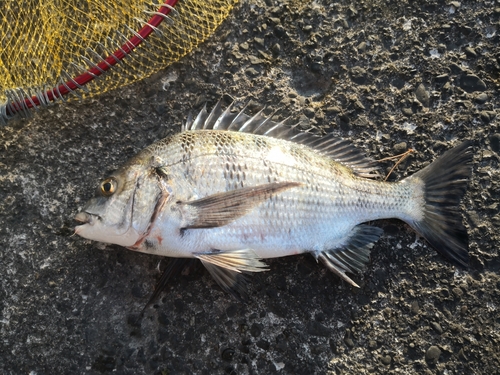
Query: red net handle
{"points": [[101, 67]]}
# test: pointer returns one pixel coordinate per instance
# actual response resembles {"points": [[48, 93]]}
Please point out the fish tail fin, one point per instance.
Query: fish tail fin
{"points": [[444, 183]]}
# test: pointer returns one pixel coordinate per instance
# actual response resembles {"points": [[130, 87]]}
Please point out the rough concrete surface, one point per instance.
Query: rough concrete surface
{"points": [[388, 75]]}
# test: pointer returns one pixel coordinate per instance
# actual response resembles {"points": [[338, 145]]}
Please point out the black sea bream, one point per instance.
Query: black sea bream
{"points": [[232, 190]]}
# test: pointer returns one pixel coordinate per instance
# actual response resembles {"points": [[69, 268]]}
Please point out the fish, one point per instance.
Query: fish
{"points": [[232, 189]]}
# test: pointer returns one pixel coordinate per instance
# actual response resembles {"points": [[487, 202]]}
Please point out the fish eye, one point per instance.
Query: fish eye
{"points": [[108, 187]]}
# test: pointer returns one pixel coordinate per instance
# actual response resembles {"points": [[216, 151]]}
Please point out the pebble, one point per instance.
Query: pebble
{"points": [[254, 60], [407, 112], [495, 142], [422, 95], [349, 342], [470, 52], [358, 75], [227, 354], [481, 98], [442, 78], [259, 41], [415, 308], [386, 360], [487, 116], [256, 330], [279, 31], [458, 292], [432, 354], [309, 112], [361, 47], [455, 68], [252, 72], [471, 83], [333, 110], [437, 327], [400, 147]]}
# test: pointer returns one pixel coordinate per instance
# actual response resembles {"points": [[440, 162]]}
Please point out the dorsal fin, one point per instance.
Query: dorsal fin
{"points": [[340, 150]]}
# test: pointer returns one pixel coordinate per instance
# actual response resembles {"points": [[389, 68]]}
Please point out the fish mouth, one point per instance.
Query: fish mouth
{"points": [[85, 218]]}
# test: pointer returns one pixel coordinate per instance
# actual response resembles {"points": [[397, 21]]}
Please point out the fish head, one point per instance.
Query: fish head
{"points": [[122, 208]]}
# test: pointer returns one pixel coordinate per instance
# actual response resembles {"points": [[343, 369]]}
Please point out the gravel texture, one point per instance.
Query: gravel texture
{"points": [[388, 75]]}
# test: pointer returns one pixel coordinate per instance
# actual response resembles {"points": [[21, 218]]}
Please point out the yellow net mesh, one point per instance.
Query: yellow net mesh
{"points": [[46, 43]]}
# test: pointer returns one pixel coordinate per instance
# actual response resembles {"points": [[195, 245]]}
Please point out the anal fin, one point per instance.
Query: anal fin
{"points": [[355, 254]]}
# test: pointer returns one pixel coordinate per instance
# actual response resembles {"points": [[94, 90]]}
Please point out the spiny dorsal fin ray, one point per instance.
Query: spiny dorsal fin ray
{"points": [[338, 149], [355, 255]]}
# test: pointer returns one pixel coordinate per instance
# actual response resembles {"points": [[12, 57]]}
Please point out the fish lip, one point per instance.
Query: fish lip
{"points": [[84, 218]]}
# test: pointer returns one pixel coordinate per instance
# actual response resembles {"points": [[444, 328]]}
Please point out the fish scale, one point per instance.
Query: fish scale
{"points": [[232, 198]]}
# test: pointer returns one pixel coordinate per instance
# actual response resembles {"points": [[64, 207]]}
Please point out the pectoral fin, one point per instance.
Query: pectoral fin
{"points": [[222, 208]]}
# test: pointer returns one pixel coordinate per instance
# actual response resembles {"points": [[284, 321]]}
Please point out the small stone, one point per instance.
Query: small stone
{"points": [[495, 142], [279, 31], [316, 66], [455, 68], [252, 72], [333, 110], [309, 112], [227, 354], [349, 342], [386, 360], [361, 47], [487, 116], [254, 60], [436, 327], [358, 75], [414, 307], [259, 41], [481, 98], [442, 78], [407, 112], [432, 354], [458, 292], [244, 46], [422, 95], [372, 345], [400, 148], [470, 52], [471, 83], [256, 330]]}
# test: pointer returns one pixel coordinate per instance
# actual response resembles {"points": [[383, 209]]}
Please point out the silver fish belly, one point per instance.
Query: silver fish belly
{"points": [[232, 190]]}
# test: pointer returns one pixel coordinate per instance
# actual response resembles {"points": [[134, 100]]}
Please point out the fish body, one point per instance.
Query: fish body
{"points": [[232, 190]]}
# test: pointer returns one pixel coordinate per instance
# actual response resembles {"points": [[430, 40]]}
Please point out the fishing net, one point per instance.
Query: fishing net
{"points": [[52, 48]]}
